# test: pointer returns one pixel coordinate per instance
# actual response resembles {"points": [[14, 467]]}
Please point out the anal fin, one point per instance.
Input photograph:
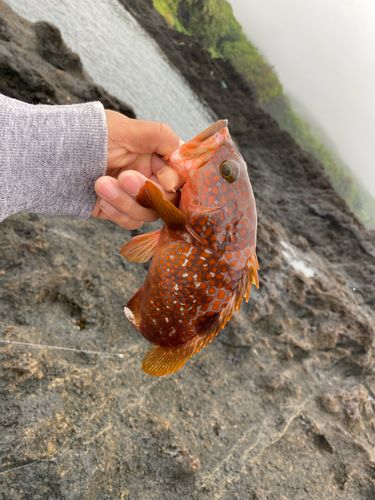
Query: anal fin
{"points": [[141, 248]]}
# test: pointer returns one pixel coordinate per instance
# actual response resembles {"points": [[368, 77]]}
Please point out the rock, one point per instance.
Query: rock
{"points": [[36, 66], [279, 406], [259, 494]]}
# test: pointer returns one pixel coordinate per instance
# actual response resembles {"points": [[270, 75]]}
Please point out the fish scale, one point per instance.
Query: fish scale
{"points": [[204, 259]]}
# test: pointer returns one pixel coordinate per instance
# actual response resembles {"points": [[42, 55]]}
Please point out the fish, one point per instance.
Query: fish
{"points": [[203, 259]]}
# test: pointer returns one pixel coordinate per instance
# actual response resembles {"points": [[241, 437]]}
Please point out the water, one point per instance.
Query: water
{"points": [[119, 55]]}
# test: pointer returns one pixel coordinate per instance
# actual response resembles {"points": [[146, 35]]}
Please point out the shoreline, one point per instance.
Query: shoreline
{"points": [[279, 405]]}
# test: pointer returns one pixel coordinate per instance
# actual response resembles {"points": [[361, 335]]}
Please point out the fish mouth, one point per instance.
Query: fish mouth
{"points": [[211, 130], [196, 143], [198, 152]]}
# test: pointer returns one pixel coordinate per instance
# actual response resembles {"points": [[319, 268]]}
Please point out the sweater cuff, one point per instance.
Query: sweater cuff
{"points": [[51, 157]]}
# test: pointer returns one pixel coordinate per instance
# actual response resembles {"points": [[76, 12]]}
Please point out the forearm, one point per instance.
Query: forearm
{"points": [[50, 157]]}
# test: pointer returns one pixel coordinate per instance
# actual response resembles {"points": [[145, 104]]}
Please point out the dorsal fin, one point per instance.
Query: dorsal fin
{"points": [[141, 248], [150, 196], [249, 277]]}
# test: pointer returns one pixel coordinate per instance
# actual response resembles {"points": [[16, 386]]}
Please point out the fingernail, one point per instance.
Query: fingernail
{"points": [[106, 207], [108, 190], [131, 184]]}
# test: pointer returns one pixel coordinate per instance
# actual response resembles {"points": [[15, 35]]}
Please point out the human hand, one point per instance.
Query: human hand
{"points": [[133, 157]]}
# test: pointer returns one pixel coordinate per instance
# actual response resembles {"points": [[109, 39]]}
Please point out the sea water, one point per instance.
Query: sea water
{"points": [[120, 56]]}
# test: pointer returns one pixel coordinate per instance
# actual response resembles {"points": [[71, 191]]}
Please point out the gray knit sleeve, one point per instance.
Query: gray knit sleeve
{"points": [[50, 157]]}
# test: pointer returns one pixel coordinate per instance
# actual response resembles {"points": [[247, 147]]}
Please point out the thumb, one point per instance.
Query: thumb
{"points": [[140, 136]]}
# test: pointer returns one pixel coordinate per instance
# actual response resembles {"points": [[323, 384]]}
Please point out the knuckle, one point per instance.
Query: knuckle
{"points": [[164, 129]]}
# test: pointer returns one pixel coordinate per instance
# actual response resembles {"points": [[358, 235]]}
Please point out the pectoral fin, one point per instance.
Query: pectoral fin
{"points": [[150, 196], [141, 248]]}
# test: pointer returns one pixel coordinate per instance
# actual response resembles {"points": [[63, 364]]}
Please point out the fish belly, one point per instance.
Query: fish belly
{"points": [[178, 302]]}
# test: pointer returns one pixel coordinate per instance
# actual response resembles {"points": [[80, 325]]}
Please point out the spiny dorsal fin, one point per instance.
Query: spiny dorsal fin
{"points": [[249, 277], [141, 248], [150, 196], [133, 308]]}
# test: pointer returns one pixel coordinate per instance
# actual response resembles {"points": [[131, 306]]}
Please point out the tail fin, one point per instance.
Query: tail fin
{"points": [[160, 361]]}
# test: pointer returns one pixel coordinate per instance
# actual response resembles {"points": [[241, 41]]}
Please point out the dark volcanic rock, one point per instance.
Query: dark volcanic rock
{"points": [[279, 406], [36, 66]]}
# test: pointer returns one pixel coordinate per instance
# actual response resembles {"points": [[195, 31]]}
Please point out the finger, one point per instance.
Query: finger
{"points": [[143, 164], [147, 164], [109, 213], [169, 179], [157, 163], [153, 164], [150, 137], [132, 182], [110, 191]]}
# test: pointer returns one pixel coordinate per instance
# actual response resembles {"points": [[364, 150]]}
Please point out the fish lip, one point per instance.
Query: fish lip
{"points": [[185, 161]]}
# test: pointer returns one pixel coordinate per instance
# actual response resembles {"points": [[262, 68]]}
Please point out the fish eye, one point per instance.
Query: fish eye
{"points": [[230, 170]]}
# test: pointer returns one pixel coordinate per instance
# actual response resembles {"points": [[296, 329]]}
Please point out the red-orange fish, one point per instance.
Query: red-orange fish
{"points": [[204, 259]]}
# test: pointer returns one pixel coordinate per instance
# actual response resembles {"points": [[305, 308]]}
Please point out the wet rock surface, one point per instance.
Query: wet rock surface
{"points": [[36, 66], [279, 406]]}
